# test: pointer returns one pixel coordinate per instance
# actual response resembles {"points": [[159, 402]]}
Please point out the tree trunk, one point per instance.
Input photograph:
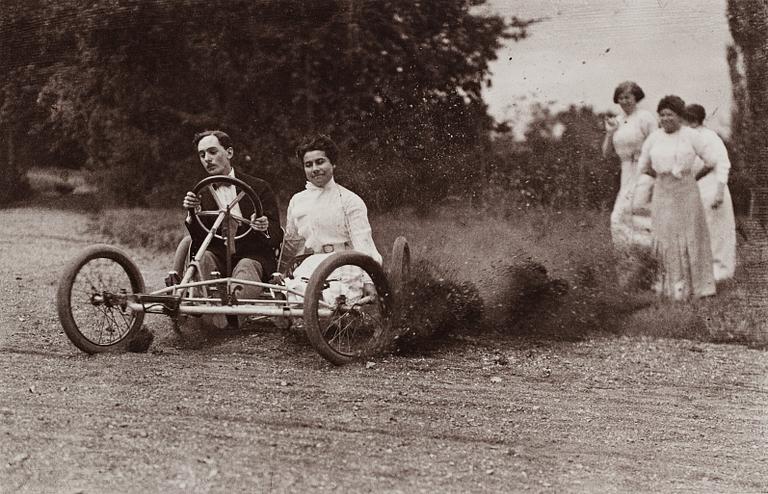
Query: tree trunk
{"points": [[12, 183], [748, 21]]}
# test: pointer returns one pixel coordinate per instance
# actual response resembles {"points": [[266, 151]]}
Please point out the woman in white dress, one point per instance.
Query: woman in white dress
{"points": [[325, 218], [680, 234], [716, 198], [630, 223]]}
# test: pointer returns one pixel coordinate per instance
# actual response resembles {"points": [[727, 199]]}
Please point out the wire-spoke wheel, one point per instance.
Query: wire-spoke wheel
{"points": [[342, 323], [92, 299]]}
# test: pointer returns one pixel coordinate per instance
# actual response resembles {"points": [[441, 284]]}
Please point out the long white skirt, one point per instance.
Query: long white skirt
{"points": [[721, 223], [631, 215]]}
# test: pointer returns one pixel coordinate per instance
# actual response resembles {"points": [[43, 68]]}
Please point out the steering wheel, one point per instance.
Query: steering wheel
{"points": [[246, 192]]}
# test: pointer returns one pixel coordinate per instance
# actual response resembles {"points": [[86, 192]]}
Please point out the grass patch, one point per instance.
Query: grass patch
{"points": [[155, 229], [553, 274], [61, 189]]}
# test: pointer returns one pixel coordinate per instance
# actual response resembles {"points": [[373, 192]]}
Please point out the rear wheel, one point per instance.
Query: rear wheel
{"points": [[92, 297], [399, 271], [340, 325]]}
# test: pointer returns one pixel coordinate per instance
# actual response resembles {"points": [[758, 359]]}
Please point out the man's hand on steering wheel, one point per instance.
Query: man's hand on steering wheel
{"points": [[257, 221], [260, 224], [191, 201]]}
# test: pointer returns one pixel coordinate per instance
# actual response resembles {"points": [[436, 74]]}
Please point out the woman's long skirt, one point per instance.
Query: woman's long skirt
{"points": [[681, 239], [630, 222], [722, 227]]}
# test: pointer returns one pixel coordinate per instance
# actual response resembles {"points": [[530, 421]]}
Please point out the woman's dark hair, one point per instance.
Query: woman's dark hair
{"points": [[674, 103], [695, 113], [223, 137], [317, 142], [630, 86]]}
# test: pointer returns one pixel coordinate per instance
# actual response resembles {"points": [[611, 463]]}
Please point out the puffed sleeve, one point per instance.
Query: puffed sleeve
{"points": [[644, 164], [360, 231], [293, 243], [714, 155], [648, 123], [723, 164], [291, 229]]}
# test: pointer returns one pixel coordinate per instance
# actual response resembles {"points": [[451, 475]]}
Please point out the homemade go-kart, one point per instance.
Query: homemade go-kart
{"points": [[101, 299]]}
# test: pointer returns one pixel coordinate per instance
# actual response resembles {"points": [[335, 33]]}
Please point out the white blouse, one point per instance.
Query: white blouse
{"points": [[330, 215], [717, 147], [226, 193], [676, 153], [632, 132]]}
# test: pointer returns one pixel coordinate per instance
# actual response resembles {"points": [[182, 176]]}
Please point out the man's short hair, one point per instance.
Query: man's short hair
{"points": [[317, 142], [223, 137]]}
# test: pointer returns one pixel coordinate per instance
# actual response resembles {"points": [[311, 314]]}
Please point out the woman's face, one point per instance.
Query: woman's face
{"points": [[627, 101], [318, 168], [670, 121]]}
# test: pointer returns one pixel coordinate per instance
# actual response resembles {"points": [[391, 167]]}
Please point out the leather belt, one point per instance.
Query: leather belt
{"points": [[329, 248]]}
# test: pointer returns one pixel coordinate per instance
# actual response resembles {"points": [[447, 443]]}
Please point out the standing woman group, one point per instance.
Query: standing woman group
{"points": [[683, 169]]}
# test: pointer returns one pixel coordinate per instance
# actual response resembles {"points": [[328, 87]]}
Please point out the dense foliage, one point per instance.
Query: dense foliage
{"points": [[122, 85], [559, 164]]}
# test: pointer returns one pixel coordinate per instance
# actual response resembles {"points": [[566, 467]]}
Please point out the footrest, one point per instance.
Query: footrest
{"points": [[160, 304]]}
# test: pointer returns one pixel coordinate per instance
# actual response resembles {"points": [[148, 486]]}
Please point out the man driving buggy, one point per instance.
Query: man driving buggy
{"points": [[254, 256]]}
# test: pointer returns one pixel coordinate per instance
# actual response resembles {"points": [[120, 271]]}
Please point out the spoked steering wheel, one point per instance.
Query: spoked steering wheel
{"points": [[246, 192]]}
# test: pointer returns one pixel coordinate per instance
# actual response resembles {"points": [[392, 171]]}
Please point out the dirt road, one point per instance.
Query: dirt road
{"points": [[259, 411]]}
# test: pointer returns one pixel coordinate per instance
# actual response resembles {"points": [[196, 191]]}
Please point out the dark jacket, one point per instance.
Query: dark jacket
{"points": [[255, 245]]}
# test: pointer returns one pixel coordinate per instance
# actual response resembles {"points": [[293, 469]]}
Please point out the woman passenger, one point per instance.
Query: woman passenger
{"points": [[325, 218]]}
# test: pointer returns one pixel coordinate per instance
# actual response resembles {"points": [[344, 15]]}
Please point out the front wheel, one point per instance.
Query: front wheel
{"points": [[341, 323], [92, 299]]}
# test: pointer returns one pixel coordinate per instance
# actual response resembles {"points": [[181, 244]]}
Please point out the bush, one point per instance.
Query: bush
{"points": [[560, 162]]}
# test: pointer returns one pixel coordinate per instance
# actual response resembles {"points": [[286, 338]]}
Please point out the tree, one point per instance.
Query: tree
{"points": [[396, 82], [27, 58]]}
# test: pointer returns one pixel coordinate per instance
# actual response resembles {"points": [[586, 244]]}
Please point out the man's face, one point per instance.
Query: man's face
{"points": [[318, 168], [213, 156]]}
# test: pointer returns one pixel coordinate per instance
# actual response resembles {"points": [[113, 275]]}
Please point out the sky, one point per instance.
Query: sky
{"points": [[583, 48]]}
